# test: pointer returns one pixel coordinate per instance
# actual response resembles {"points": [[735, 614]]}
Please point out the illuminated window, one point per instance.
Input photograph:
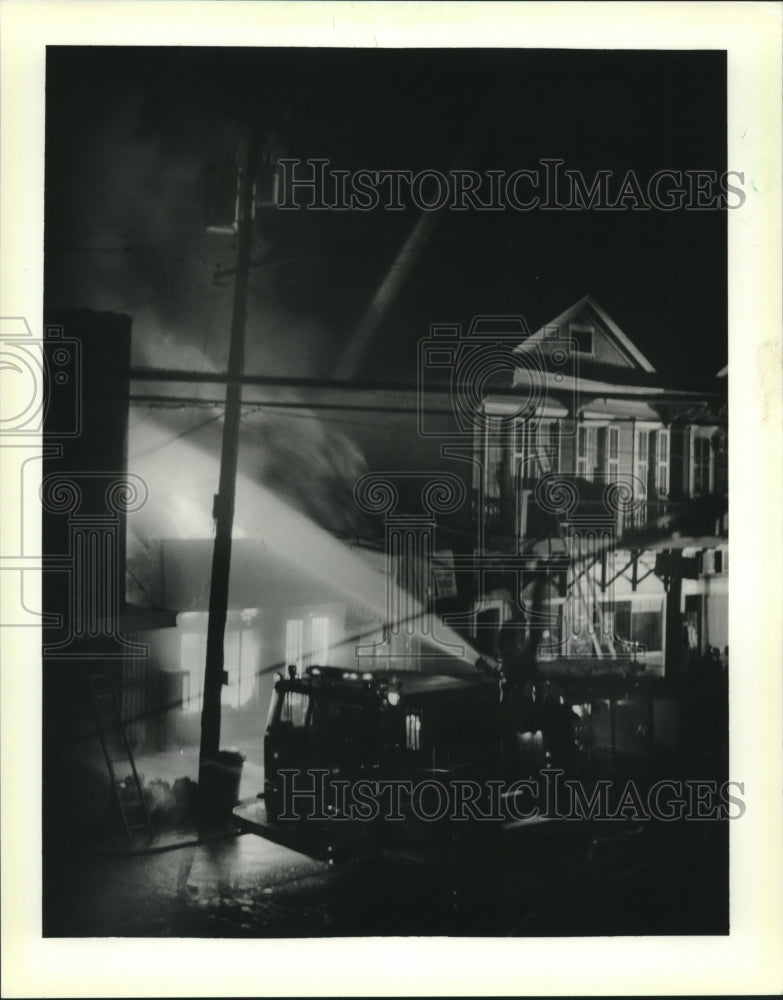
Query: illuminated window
{"points": [[242, 658], [320, 642], [241, 661], [193, 655], [413, 731], [294, 636]]}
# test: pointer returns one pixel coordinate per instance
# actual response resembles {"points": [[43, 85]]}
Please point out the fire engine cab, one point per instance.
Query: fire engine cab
{"points": [[345, 728]]}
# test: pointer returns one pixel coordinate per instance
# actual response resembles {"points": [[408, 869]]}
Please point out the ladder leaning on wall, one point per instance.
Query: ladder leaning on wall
{"points": [[127, 791]]}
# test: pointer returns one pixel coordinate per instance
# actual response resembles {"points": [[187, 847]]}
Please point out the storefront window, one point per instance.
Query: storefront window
{"points": [[242, 657]]}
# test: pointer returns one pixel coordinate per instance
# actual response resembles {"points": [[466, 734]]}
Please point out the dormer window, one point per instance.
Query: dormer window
{"points": [[583, 339]]}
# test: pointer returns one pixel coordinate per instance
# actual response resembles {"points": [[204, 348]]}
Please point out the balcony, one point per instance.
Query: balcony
{"points": [[503, 517]]}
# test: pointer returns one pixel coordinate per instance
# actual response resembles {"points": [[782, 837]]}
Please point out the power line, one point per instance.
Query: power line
{"points": [[311, 411], [182, 402], [178, 437], [653, 395]]}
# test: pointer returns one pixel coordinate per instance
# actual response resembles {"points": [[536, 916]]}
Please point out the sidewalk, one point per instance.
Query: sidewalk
{"points": [[174, 826], [168, 765]]}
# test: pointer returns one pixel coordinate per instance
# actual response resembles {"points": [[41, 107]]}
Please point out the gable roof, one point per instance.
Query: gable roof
{"points": [[587, 309]]}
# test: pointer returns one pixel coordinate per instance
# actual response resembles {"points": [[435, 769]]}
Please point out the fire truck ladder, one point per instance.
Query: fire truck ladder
{"points": [[117, 753], [590, 601]]}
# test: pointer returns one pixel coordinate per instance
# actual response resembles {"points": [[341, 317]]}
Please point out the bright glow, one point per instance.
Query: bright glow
{"points": [[182, 478], [242, 648], [294, 632], [319, 641], [393, 697], [413, 731]]}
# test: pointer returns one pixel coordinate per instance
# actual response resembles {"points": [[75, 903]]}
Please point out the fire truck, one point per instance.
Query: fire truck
{"points": [[332, 732]]}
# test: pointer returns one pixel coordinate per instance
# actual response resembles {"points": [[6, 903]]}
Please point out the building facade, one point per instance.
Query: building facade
{"points": [[600, 501]]}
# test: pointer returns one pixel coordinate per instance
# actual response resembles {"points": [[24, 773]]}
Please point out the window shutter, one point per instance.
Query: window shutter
{"points": [[581, 452], [642, 457], [663, 462], [613, 452]]}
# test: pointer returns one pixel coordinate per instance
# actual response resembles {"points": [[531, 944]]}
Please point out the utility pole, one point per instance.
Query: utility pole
{"points": [[214, 674]]}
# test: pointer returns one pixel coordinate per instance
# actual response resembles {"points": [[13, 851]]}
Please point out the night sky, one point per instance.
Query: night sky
{"points": [[130, 130]]}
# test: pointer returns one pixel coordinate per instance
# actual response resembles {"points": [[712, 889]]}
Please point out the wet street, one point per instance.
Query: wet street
{"points": [[546, 878]]}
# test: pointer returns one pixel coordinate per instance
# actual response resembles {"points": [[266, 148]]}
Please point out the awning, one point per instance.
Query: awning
{"points": [[507, 405], [610, 409]]}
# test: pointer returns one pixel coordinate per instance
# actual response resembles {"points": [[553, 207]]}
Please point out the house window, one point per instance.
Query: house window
{"points": [[626, 622], [193, 654], [652, 461], [643, 465], [663, 462], [721, 464], [242, 655], [581, 452], [590, 449], [536, 451], [643, 447], [320, 642], [497, 465], [241, 660], [583, 339], [548, 441], [613, 452], [294, 636], [647, 629], [702, 461]]}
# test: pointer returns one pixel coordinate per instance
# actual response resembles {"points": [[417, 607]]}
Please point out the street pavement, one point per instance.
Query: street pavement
{"points": [[557, 878]]}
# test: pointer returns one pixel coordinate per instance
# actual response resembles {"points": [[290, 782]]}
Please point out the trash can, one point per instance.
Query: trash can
{"points": [[220, 780]]}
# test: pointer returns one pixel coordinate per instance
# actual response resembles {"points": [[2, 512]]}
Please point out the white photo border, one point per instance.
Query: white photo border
{"points": [[746, 961]]}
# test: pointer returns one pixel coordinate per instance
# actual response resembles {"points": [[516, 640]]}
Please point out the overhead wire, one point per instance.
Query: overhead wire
{"points": [[178, 437]]}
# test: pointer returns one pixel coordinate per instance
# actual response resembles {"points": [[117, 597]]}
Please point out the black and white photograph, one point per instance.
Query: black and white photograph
{"points": [[383, 411]]}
